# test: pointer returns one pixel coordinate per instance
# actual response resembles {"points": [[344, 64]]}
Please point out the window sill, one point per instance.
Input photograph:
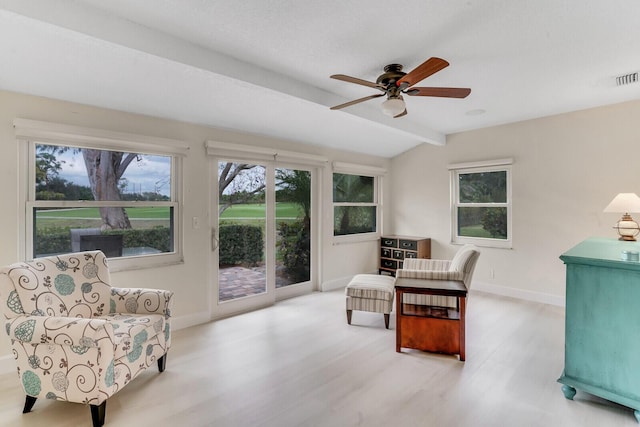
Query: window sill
{"points": [[144, 261], [483, 243], [355, 238]]}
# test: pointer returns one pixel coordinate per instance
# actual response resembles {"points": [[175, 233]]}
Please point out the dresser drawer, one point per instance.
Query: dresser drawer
{"points": [[410, 245], [385, 253], [409, 254], [387, 263], [389, 243], [397, 254]]}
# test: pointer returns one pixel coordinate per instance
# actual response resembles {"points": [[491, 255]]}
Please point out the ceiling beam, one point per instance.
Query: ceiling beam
{"points": [[101, 25]]}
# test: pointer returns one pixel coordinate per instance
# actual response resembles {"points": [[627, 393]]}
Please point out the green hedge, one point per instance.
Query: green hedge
{"points": [[55, 240], [295, 249], [156, 237], [241, 244]]}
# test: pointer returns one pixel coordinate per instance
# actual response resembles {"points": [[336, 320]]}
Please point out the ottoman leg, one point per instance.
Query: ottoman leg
{"points": [[349, 316], [386, 320]]}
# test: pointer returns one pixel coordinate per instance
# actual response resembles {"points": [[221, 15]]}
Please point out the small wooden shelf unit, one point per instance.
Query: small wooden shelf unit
{"points": [[394, 249]]}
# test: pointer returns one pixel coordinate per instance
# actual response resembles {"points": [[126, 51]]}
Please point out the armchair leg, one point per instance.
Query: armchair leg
{"points": [[162, 363], [28, 404], [98, 413], [386, 320], [349, 316]]}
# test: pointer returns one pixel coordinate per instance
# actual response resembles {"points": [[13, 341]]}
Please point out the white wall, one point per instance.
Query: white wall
{"points": [[190, 280], [567, 169]]}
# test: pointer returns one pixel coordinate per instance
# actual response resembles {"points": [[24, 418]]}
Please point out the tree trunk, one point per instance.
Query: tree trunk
{"points": [[104, 169]]}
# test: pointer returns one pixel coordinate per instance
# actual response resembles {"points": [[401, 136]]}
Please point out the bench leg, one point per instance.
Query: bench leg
{"points": [[386, 320], [349, 312]]}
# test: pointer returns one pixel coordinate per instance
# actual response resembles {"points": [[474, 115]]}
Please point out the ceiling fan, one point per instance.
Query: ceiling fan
{"points": [[394, 82]]}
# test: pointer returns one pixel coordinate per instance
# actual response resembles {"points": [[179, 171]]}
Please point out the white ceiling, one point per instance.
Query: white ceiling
{"points": [[263, 66]]}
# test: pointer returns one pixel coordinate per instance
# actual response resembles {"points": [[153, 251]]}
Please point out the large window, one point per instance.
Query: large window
{"points": [[88, 197], [355, 204], [481, 203]]}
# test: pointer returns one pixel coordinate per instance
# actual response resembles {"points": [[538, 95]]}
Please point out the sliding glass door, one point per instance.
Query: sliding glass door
{"points": [[263, 239], [242, 214], [293, 227]]}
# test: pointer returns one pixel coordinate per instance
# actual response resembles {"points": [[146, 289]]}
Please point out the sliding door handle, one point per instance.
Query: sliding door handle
{"points": [[214, 240]]}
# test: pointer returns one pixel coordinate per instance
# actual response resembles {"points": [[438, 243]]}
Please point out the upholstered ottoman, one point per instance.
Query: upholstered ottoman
{"points": [[370, 292]]}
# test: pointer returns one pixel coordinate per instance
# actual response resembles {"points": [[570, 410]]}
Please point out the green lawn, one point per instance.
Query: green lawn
{"points": [[141, 213], [90, 217], [283, 210], [144, 217], [474, 231]]}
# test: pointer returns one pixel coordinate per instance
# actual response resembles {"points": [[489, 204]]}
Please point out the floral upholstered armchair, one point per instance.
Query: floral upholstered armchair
{"points": [[75, 337]]}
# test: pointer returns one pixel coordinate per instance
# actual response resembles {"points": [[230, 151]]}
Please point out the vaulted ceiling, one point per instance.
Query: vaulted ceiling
{"points": [[263, 66]]}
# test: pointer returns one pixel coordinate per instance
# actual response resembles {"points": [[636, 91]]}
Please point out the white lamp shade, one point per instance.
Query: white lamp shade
{"points": [[624, 203], [393, 106]]}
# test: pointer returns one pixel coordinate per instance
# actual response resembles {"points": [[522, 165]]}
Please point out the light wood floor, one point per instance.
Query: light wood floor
{"points": [[299, 364]]}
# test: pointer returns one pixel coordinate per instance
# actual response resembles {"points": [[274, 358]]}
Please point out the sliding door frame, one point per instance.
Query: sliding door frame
{"points": [[313, 164]]}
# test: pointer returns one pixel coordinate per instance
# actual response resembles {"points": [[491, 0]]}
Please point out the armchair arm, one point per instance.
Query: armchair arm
{"points": [[426, 264], [430, 274], [141, 301], [71, 331]]}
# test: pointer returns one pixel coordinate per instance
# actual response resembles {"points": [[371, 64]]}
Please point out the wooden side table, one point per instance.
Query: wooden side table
{"points": [[427, 328]]}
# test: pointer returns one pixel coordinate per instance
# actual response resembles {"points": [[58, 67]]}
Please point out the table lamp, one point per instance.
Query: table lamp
{"points": [[624, 203]]}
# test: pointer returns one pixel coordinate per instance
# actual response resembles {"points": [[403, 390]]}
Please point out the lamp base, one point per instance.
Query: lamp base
{"points": [[627, 228]]}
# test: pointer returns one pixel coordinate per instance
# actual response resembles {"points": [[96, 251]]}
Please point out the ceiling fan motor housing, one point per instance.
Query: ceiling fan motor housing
{"points": [[393, 73]]}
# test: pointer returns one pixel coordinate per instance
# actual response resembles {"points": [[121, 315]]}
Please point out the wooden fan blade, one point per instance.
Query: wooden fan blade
{"points": [[422, 71], [443, 92], [404, 113], [357, 101], [358, 81]]}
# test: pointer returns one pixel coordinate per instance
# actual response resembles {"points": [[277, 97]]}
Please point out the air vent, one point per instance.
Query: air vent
{"points": [[627, 79]]}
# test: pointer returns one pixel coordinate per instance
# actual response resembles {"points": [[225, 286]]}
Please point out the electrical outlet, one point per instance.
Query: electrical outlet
{"points": [[195, 222], [492, 273]]}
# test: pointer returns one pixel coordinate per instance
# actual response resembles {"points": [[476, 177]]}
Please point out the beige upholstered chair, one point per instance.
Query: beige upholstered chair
{"points": [[76, 338], [461, 267]]}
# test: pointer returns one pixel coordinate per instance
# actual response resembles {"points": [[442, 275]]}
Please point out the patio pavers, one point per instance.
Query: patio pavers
{"points": [[238, 282]]}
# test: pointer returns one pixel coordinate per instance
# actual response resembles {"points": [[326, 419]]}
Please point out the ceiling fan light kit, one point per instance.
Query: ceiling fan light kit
{"points": [[393, 106], [394, 82]]}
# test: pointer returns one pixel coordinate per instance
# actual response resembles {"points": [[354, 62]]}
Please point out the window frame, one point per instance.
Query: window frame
{"points": [[31, 133], [377, 174], [455, 170]]}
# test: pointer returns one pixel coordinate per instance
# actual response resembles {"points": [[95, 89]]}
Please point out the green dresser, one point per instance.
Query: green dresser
{"points": [[602, 328]]}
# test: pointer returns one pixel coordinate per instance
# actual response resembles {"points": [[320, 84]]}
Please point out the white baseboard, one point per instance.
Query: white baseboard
{"points": [[334, 284], [182, 322], [489, 288], [519, 293]]}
